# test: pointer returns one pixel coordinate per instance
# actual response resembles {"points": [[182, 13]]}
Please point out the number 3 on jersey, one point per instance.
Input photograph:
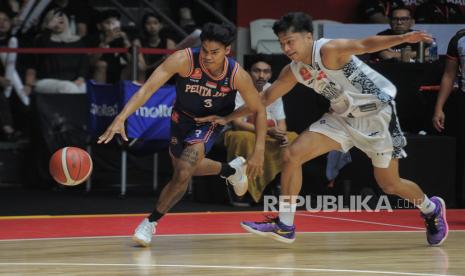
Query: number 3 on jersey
{"points": [[208, 103]]}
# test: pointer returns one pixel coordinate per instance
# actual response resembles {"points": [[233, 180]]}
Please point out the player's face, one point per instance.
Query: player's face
{"points": [[213, 54], [261, 74], [295, 45]]}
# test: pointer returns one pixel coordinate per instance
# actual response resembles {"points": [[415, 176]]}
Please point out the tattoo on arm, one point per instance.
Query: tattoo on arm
{"points": [[190, 155]]}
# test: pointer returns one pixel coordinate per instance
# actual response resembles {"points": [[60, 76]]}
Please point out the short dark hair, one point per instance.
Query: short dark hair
{"points": [[104, 15], [259, 58], [294, 22], [398, 8], [224, 33]]}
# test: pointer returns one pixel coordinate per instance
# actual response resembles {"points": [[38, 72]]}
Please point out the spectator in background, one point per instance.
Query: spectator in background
{"points": [[154, 35], [63, 73], [78, 13], [241, 141], [8, 130], [377, 11], [439, 11], [455, 63], [401, 22], [107, 68]]}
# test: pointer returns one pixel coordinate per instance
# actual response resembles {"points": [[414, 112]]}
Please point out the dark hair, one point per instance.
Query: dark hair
{"points": [[400, 8], [293, 22], [224, 33], [145, 18], [258, 58], [104, 15]]}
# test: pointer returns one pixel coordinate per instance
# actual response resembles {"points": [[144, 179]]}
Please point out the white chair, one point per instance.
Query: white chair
{"points": [[262, 38], [318, 27]]}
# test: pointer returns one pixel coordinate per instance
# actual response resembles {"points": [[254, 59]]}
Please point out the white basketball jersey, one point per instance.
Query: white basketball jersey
{"points": [[356, 90]]}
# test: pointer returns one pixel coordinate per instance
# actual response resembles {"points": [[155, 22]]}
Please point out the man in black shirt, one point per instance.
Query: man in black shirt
{"points": [[401, 22]]}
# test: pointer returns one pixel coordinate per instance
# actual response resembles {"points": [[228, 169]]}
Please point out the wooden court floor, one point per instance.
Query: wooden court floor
{"points": [[343, 253], [214, 244]]}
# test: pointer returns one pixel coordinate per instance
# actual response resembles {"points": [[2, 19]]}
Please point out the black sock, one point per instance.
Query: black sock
{"points": [[155, 215], [226, 170]]}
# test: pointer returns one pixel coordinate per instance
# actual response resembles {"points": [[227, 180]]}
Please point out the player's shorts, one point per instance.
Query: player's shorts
{"points": [[378, 135], [185, 131]]}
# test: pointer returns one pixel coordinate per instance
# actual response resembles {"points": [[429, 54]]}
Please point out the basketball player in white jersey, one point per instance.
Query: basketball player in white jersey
{"points": [[362, 114]]}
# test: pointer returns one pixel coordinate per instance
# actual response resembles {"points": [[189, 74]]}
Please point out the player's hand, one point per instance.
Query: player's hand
{"points": [[212, 119], [417, 36], [438, 120], [255, 164], [276, 133], [117, 126]]}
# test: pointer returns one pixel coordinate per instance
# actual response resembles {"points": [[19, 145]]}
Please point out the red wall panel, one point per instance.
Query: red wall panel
{"points": [[338, 10]]}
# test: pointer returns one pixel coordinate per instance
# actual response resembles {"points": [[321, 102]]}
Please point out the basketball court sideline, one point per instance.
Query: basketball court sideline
{"points": [[213, 243]]}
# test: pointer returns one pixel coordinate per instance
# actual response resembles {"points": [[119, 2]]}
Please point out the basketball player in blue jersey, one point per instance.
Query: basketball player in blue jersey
{"points": [[362, 114], [207, 82]]}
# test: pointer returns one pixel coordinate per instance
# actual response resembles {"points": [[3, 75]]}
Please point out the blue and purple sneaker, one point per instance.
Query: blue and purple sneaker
{"points": [[436, 223], [271, 227]]}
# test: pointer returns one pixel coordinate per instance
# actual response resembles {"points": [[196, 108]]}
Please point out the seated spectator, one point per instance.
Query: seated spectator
{"points": [[108, 68], [154, 35], [63, 73], [8, 130], [240, 142], [78, 12], [401, 22], [377, 11], [439, 11]]}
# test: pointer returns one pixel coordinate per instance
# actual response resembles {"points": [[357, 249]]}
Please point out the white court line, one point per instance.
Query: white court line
{"points": [[230, 267], [362, 221], [220, 234]]}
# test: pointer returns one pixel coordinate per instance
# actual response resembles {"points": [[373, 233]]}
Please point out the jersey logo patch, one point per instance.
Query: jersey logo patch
{"points": [[211, 84], [305, 74], [225, 89], [197, 74]]}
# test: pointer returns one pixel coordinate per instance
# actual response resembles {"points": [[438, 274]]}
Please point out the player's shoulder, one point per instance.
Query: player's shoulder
{"points": [[183, 54], [183, 60]]}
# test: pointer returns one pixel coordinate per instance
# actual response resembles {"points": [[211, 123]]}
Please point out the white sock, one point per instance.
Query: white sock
{"points": [[427, 206], [287, 212]]}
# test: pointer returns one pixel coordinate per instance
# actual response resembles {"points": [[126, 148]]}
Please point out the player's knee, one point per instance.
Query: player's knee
{"points": [[182, 176], [290, 155], [388, 187]]}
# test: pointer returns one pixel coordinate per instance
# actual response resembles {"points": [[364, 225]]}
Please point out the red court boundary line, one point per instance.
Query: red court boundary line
{"points": [[36, 227]]}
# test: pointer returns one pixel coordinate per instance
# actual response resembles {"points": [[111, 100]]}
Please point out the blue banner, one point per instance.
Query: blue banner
{"points": [[152, 120], [104, 104]]}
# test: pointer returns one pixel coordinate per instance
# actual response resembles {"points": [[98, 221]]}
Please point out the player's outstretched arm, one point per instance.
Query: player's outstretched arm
{"points": [[336, 53], [282, 85], [252, 100], [176, 63]]}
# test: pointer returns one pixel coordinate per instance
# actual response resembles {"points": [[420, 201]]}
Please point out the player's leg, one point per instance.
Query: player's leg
{"points": [[433, 210], [234, 172], [184, 167], [307, 146]]}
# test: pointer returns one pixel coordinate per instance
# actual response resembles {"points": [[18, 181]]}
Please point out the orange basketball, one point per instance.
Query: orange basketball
{"points": [[70, 166]]}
